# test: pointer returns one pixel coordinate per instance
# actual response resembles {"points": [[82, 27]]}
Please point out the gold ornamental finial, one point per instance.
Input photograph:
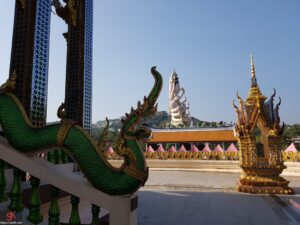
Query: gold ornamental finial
{"points": [[253, 77], [254, 91], [61, 111], [10, 84], [73, 11], [252, 66]]}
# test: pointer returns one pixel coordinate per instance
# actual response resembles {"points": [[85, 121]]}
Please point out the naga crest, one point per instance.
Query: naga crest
{"points": [[142, 111]]}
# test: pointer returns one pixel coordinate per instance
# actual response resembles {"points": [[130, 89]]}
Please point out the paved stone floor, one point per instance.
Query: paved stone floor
{"points": [[201, 198], [196, 198]]}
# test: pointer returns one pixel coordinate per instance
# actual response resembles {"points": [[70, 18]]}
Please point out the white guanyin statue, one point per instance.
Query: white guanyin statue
{"points": [[178, 105]]}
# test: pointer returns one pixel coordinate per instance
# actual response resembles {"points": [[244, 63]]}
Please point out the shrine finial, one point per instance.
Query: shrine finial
{"points": [[253, 77]]}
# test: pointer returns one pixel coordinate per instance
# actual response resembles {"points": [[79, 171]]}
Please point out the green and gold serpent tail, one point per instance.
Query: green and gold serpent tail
{"points": [[79, 145]]}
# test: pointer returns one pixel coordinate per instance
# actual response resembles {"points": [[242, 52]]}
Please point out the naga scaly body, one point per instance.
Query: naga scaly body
{"points": [[79, 145]]}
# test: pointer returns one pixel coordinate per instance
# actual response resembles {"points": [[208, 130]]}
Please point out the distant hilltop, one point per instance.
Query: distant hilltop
{"points": [[160, 120]]}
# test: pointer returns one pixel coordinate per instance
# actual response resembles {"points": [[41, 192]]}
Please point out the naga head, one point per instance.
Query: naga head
{"points": [[142, 133], [132, 132], [143, 110]]}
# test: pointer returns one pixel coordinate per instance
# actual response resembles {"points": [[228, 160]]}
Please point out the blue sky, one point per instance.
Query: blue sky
{"points": [[207, 42]]}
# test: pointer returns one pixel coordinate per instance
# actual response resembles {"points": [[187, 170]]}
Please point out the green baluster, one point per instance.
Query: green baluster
{"points": [[3, 195], [74, 218], [50, 157], [16, 198], [57, 156], [54, 211], [95, 213], [35, 215], [64, 157]]}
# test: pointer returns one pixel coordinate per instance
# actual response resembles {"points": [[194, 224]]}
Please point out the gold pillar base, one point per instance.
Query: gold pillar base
{"points": [[263, 180]]}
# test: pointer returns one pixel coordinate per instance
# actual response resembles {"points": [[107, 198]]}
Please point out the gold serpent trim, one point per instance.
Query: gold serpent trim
{"points": [[73, 11], [62, 133], [20, 108], [99, 151], [142, 176], [124, 151], [10, 84]]}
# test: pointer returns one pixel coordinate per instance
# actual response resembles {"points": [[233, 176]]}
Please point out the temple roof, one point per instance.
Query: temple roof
{"points": [[192, 135]]}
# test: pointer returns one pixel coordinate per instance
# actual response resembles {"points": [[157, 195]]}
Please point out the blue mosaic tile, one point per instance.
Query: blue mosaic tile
{"points": [[38, 105], [88, 63]]}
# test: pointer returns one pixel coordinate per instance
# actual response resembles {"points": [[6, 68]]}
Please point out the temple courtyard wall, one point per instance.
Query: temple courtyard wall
{"points": [[222, 166]]}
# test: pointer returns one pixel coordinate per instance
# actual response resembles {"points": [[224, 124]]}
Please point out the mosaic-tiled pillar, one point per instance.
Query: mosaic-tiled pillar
{"points": [[29, 63], [38, 104], [30, 56], [78, 94]]}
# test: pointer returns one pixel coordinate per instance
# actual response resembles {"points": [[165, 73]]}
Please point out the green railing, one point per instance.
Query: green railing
{"points": [[14, 197], [59, 177]]}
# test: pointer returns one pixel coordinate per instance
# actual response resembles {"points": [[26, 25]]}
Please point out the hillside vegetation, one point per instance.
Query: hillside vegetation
{"points": [[162, 120]]}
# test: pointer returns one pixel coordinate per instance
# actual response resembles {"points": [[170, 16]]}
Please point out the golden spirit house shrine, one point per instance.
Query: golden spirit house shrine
{"points": [[258, 131]]}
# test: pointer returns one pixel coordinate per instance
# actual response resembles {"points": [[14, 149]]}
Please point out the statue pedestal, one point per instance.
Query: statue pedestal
{"points": [[263, 179]]}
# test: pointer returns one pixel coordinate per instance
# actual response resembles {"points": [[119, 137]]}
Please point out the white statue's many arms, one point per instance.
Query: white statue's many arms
{"points": [[178, 105]]}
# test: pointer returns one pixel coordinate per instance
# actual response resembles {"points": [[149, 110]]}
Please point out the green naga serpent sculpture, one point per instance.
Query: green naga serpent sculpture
{"points": [[90, 158]]}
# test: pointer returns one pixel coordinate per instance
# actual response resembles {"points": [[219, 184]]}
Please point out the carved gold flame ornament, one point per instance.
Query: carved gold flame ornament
{"points": [[10, 84], [259, 133]]}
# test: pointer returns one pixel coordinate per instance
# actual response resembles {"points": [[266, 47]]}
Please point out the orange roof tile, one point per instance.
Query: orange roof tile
{"points": [[191, 135]]}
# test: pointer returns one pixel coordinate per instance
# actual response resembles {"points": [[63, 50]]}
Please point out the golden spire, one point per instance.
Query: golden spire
{"points": [[254, 91], [253, 77]]}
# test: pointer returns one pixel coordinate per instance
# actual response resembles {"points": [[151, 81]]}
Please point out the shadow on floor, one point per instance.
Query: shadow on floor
{"points": [[214, 208]]}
